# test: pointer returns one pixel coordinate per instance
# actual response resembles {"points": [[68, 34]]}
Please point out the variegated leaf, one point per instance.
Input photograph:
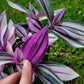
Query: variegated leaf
{"points": [[40, 14], [55, 12], [3, 27], [20, 31], [64, 73], [34, 24], [5, 58], [9, 34], [46, 75], [58, 16], [33, 9], [66, 37], [52, 38], [18, 55], [20, 8], [47, 7]]}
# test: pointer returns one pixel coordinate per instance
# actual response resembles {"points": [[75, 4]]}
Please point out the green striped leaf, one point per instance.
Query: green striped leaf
{"points": [[20, 8], [6, 54], [46, 75], [63, 72], [55, 12], [47, 7], [5, 58], [52, 38], [66, 37], [33, 9]]}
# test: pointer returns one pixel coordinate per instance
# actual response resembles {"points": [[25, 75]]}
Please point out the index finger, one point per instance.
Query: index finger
{"points": [[26, 77]]}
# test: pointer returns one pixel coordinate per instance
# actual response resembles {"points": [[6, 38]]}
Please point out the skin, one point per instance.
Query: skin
{"points": [[25, 77]]}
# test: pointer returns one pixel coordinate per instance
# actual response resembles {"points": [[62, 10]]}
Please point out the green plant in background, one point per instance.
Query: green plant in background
{"points": [[65, 58]]}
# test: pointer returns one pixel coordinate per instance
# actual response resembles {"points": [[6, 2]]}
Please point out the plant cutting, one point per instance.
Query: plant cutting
{"points": [[33, 47]]}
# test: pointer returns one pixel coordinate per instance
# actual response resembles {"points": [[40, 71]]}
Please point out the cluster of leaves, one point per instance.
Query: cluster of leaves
{"points": [[72, 57], [49, 72]]}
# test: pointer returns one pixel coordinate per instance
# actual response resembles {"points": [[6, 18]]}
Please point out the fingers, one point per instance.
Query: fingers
{"points": [[26, 77], [12, 79]]}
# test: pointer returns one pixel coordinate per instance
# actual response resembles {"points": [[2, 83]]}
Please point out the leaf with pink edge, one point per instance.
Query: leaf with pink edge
{"points": [[46, 75], [35, 47], [63, 72]]}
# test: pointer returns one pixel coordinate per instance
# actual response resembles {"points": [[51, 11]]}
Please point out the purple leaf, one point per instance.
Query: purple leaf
{"points": [[9, 48], [58, 16], [18, 55], [10, 33], [33, 24], [20, 31], [9, 37], [35, 47], [3, 26], [1, 48], [59, 30], [40, 14]]}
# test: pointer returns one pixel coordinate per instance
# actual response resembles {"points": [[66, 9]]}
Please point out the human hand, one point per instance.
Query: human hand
{"points": [[25, 76]]}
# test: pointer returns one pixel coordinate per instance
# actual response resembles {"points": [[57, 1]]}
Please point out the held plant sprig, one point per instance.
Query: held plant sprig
{"points": [[34, 47]]}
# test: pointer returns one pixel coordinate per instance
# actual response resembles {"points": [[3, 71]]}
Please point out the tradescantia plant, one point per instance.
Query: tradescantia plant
{"points": [[33, 47], [70, 32]]}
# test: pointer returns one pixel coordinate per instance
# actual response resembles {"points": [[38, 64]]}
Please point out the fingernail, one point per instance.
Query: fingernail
{"points": [[33, 78], [26, 64]]}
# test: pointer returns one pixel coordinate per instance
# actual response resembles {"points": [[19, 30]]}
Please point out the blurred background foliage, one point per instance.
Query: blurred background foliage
{"points": [[73, 57]]}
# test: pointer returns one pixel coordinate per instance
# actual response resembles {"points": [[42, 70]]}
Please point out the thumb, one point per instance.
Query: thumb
{"points": [[26, 77], [12, 79]]}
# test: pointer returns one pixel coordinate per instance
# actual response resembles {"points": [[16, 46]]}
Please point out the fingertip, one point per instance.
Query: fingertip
{"points": [[27, 73], [27, 65]]}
